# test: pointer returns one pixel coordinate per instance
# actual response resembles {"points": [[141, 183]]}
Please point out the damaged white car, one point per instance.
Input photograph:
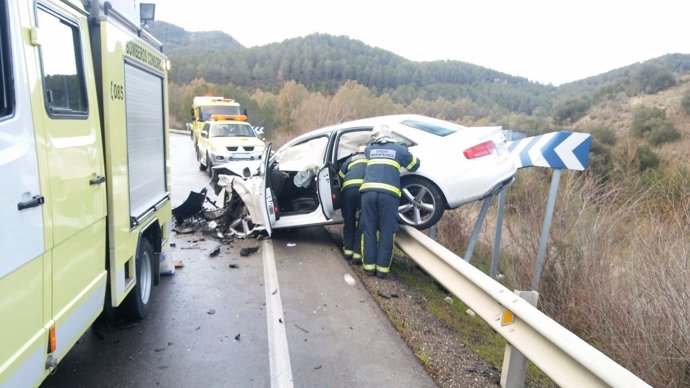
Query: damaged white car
{"points": [[298, 185]]}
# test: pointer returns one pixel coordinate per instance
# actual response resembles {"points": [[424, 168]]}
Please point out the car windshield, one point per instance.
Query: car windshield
{"points": [[438, 129], [207, 111], [231, 130]]}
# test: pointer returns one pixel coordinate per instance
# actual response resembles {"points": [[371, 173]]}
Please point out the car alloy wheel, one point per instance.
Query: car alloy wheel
{"points": [[421, 203]]}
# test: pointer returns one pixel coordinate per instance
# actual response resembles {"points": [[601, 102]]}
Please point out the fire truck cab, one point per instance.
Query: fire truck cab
{"points": [[85, 202]]}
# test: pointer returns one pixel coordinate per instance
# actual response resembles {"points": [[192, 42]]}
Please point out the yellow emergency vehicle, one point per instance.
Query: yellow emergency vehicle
{"points": [[228, 138], [204, 107], [85, 201]]}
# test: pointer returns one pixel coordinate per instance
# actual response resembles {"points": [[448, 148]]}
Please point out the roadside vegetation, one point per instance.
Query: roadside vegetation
{"points": [[618, 255], [618, 258]]}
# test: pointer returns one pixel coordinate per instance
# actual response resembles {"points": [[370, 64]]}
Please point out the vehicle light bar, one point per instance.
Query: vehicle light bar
{"points": [[480, 150], [229, 117]]}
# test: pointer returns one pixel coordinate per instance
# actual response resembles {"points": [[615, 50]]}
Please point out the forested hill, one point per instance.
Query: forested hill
{"points": [[178, 41], [324, 62]]}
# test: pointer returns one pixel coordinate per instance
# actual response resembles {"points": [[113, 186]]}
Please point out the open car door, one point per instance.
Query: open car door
{"points": [[328, 190], [266, 197]]}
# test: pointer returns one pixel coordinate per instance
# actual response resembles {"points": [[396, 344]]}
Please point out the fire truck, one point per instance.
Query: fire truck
{"points": [[85, 209]]}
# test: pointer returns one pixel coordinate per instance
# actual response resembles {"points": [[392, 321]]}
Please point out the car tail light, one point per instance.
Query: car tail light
{"points": [[480, 150]]}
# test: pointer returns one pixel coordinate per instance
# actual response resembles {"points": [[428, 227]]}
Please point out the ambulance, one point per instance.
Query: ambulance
{"points": [[85, 209]]}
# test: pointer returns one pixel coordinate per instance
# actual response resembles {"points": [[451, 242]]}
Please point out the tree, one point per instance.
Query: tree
{"points": [[650, 78], [289, 99]]}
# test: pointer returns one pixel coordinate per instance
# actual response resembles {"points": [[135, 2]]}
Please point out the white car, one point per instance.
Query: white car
{"points": [[222, 140], [458, 165]]}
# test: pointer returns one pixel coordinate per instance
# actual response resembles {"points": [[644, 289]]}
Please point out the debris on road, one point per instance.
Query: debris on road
{"points": [[291, 244], [190, 207], [301, 328], [233, 266], [183, 230], [179, 263], [237, 337], [248, 251], [211, 311], [349, 279], [215, 252]]}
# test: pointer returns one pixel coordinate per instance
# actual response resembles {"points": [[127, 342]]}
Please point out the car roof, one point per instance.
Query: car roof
{"points": [[391, 120]]}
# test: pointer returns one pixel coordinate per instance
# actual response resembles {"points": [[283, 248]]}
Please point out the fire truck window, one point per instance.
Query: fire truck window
{"points": [[6, 91], [63, 76]]}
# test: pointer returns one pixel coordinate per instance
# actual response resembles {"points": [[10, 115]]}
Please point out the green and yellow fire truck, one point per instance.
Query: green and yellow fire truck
{"points": [[85, 207]]}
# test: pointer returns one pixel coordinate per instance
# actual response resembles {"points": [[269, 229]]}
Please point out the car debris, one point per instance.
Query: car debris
{"points": [[248, 251], [224, 217]]}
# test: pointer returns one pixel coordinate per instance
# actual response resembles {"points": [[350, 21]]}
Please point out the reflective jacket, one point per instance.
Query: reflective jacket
{"points": [[352, 171], [385, 158]]}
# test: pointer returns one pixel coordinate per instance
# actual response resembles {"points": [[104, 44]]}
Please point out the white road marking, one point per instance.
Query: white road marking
{"points": [[278, 353]]}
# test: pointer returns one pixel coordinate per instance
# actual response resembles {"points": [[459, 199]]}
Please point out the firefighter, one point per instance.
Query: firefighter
{"points": [[352, 174], [380, 196]]}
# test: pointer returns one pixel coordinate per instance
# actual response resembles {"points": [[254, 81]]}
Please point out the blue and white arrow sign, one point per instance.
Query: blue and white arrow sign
{"points": [[560, 150]]}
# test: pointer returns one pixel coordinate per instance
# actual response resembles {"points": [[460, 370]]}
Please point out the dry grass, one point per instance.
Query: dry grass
{"points": [[617, 265]]}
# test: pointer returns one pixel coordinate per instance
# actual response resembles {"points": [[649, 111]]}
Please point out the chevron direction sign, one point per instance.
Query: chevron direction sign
{"points": [[569, 150]]}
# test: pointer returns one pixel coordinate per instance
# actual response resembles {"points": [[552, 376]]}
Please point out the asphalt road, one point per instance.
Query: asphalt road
{"points": [[283, 316]]}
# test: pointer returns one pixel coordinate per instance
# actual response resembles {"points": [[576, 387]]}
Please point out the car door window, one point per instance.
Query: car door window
{"points": [[303, 156], [350, 140]]}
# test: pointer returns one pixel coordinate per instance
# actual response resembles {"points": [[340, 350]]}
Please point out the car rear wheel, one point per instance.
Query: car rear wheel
{"points": [[421, 202]]}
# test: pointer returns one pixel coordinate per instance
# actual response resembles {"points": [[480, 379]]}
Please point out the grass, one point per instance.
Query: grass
{"points": [[423, 357], [472, 331]]}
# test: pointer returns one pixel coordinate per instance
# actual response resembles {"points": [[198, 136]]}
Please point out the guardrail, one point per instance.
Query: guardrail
{"points": [[564, 357]]}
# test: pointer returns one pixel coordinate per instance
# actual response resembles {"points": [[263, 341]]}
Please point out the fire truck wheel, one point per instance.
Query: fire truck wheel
{"points": [[136, 304]]}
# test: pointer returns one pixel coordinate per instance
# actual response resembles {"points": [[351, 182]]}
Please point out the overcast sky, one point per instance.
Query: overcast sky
{"points": [[545, 41]]}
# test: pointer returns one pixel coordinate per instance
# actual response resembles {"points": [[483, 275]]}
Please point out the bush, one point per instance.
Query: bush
{"points": [[650, 78], [570, 110], [652, 125], [645, 158], [663, 132]]}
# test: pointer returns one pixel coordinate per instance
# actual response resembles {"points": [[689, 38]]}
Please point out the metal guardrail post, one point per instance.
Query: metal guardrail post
{"points": [[477, 228], [432, 232], [514, 367], [495, 255], [546, 227]]}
